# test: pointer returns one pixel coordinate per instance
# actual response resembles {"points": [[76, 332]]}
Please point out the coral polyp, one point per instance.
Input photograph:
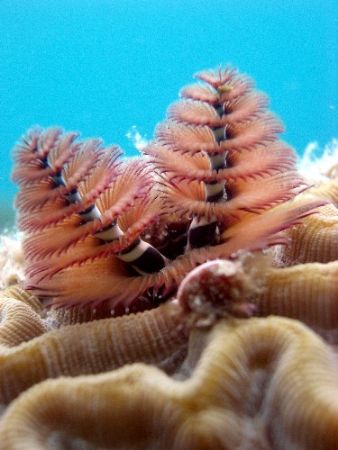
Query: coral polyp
{"points": [[103, 231]]}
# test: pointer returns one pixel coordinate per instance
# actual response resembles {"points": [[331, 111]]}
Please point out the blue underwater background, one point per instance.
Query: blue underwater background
{"points": [[104, 67]]}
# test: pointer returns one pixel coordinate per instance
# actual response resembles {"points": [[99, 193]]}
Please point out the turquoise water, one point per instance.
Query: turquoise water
{"points": [[101, 67]]}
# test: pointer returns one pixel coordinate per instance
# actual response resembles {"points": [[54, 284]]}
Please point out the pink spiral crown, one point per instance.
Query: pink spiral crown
{"points": [[122, 234]]}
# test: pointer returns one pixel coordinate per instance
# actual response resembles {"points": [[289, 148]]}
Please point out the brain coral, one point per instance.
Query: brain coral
{"points": [[176, 243]]}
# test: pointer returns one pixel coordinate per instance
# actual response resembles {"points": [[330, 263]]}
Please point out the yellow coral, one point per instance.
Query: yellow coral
{"points": [[264, 383]]}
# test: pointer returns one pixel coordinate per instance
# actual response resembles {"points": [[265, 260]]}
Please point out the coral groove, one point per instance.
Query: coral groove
{"points": [[156, 337]]}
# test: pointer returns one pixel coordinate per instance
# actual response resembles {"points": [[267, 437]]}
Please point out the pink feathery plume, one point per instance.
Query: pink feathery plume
{"points": [[216, 180]]}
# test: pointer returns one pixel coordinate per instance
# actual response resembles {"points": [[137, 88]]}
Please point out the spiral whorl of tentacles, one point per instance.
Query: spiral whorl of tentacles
{"points": [[103, 231]]}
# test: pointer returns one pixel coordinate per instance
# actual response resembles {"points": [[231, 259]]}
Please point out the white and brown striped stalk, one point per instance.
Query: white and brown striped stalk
{"points": [[203, 231], [140, 255], [53, 170]]}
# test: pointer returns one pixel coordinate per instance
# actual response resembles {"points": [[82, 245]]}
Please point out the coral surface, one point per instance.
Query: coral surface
{"points": [[198, 245]]}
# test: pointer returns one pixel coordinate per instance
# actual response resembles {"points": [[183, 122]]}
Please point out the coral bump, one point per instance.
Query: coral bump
{"points": [[122, 234]]}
